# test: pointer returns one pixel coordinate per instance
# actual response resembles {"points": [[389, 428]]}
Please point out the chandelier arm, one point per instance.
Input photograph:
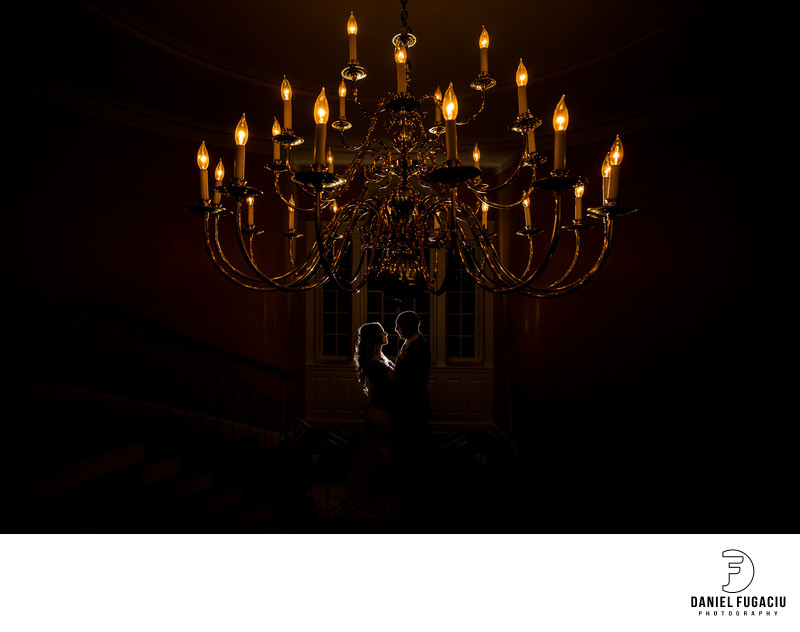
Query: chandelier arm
{"points": [[298, 275], [483, 190], [224, 266], [553, 292], [358, 102], [572, 265], [480, 109], [502, 276], [430, 275], [330, 269]]}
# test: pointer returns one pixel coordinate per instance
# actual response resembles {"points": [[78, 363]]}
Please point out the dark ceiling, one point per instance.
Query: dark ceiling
{"points": [[190, 68]]}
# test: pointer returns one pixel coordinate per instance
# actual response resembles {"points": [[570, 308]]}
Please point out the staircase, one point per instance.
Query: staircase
{"points": [[148, 432]]}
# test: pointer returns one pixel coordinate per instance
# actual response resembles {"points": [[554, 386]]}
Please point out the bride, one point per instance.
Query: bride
{"points": [[375, 373]]}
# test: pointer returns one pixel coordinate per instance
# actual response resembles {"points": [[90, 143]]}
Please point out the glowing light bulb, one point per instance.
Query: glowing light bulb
{"points": [[522, 74], [400, 53], [476, 156], [202, 162], [560, 122], [526, 207], [219, 174], [450, 108], [321, 109], [202, 156], [276, 148], [437, 95], [250, 200], [579, 202], [522, 91], [483, 45], [450, 104], [241, 134], [605, 172], [561, 116], [614, 158], [321, 117], [615, 155], [342, 89], [286, 90], [286, 95], [401, 56], [352, 29]]}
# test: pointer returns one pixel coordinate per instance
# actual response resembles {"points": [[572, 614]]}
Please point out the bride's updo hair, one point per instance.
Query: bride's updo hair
{"points": [[368, 346]]}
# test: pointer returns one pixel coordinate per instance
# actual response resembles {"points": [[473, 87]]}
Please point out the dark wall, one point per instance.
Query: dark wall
{"points": [[662, 376], [650, 371]]}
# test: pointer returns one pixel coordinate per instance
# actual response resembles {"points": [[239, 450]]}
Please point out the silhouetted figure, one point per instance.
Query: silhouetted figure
{"points": [[369, 479], [412, 372], [413, 411]]}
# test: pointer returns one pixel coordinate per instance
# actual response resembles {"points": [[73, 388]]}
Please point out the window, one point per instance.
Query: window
{"points": [[383, 309], [460, 326]]}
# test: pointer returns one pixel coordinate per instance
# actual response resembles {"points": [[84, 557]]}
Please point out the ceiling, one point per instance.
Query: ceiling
{"points": [[189, 69]]}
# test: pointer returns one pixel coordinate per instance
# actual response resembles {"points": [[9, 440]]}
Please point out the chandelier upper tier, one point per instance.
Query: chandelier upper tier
{"points": [[405, 210]]}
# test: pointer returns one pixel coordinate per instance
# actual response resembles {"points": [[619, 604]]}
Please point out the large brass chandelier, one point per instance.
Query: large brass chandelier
{"points": [[397, 213]]}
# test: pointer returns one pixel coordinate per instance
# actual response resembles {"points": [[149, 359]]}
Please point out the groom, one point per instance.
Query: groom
{"points": [[412, 368]]}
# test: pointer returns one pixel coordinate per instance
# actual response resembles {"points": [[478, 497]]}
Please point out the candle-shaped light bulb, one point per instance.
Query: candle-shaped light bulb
{"points": [[450, 104], [450, 110], [400, 58], [250, 202], [579, 202], [605, 172], [219, 174], [437, 95], [202, 162], [476, 156], [614, 158], [291, 212], [560, 123], [321, 118], [522, 91], [615, 155], [561, 116], [240, 136], [321, 108], [276, 147], [202, 156], [484, 214], [342, 95], [329, 159], [286, 95], [483, 44], [526, 207], [352, 29]]}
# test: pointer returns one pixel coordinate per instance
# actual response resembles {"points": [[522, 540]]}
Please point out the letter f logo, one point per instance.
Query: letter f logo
{"points": [[741, 573]]}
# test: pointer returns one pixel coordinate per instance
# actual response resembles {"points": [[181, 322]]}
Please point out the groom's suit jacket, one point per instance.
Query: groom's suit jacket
{"points": [[412, 369]]}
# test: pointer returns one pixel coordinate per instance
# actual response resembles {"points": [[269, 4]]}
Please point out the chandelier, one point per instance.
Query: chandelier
{"points": [[406, 209]]}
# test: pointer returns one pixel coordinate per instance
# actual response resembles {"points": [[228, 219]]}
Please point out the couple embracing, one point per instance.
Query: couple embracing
{"points": [[397, 391]]}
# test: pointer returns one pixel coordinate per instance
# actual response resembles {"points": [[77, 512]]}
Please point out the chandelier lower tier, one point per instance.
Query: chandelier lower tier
{"points": [[397, 214]]}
